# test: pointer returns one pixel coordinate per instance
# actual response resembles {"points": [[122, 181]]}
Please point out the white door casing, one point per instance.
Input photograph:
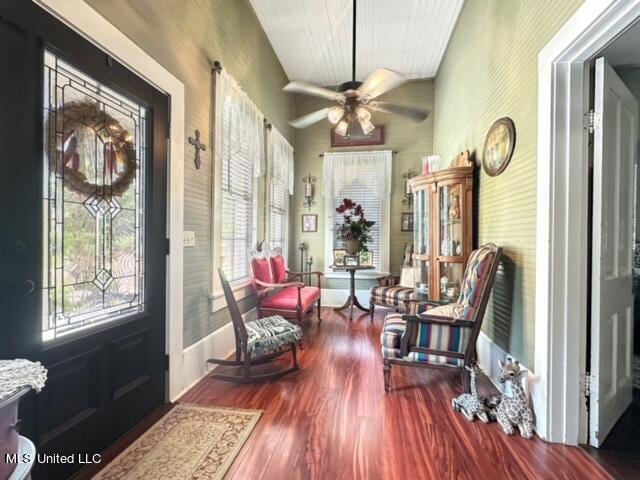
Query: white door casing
{"points": [[614, 152]]}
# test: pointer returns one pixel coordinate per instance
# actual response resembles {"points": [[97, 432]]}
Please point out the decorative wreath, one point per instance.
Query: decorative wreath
{"points": [[119, 151]]}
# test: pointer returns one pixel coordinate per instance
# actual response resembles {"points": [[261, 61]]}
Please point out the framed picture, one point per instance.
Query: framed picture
{"points": [[309, 222], [351, 260], [357, 138], [366, 258], [338, 257], [406, 225], [499, 146]]}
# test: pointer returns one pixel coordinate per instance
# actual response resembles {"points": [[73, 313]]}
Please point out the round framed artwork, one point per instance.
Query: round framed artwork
{"points": [[499, 146]]}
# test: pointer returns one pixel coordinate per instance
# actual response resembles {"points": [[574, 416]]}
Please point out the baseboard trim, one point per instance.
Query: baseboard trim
{"points": [[218, 344]]}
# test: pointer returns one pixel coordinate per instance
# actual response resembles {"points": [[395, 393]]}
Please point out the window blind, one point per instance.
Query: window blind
{"points": [[364, 191], [239, 147], [280, 164]]}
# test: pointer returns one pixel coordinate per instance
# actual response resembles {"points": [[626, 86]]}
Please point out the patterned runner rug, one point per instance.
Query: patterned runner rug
{"points": [[188, 442]]}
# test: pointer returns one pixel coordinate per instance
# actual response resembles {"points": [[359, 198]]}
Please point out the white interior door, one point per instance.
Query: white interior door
{"points": [[615, 136]]}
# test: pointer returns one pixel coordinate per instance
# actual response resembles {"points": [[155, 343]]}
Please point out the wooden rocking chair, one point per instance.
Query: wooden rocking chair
{"points": [[259, 341]]}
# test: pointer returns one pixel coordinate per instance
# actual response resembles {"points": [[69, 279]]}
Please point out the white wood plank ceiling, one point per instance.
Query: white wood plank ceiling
{"points": [[312, 38]]}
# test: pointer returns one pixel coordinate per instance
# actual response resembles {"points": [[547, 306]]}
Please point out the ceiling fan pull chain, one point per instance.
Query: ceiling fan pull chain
{"points": [[353, 54]]}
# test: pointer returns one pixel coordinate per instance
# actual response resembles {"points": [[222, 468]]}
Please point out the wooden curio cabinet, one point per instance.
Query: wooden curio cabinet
{"points": [[443, 231]]}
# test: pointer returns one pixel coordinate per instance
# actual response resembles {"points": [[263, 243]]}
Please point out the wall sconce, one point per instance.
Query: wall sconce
{"points": [[408, 196], [308, 191]]}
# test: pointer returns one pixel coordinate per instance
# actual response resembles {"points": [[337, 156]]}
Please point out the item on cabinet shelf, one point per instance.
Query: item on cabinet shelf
{"points": [[470, 404], [463, 159], [339, 257], [351, 260], [308, 191], [459, 249], [454, 209], [514, 410], [431, 164], [499, 146], [366, 258], [407, 222], [309, 222], [198, 146], [408, 195], [407, 259], [355, 229]]}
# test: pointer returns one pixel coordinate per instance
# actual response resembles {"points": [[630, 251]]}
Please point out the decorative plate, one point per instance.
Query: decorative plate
{"points": [[499, 146]]}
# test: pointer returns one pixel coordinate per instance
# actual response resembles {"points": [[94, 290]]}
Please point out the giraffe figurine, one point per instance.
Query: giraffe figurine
{"points": [[470, 404], [514, 411]]}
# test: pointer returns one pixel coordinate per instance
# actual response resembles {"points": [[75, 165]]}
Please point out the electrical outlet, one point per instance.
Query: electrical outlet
{"points": [[189, 238]]}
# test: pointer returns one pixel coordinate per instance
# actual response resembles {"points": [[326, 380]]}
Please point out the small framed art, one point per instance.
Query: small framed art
{"points": [[338, 257], [309, 222], [366, 258], [351, 260], [406, 225]]}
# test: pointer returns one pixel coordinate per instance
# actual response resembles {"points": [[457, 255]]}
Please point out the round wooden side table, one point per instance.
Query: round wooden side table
{"points": [[352, 300]]}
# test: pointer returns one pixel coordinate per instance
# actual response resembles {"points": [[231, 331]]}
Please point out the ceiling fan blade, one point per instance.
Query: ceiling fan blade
{"points": [[311, 89], [414, 113], [310, 118], [380, 81]]}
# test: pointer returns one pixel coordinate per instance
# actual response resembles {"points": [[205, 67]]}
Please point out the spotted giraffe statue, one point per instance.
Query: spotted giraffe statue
{"points": [[514, 411], [470, 404]]}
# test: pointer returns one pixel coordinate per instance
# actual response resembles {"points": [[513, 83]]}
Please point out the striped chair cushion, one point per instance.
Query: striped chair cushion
{"points": [[435, 337], [394, 296]]}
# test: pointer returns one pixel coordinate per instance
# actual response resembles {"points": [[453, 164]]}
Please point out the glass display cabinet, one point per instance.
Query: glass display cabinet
{"points": [[442, 236]]}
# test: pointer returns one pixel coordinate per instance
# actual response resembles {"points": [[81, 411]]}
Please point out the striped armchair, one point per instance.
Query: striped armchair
{"points": [[444, 336]]}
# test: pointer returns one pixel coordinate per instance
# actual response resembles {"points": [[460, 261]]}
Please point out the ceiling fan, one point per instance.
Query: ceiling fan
{"points": [[356, 100]]}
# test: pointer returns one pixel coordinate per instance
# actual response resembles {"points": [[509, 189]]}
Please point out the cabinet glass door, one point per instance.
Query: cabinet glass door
{"points": [[451, 220]]}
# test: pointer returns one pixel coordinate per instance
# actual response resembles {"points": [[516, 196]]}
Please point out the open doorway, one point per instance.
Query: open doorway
{"points": [[613, 331]]}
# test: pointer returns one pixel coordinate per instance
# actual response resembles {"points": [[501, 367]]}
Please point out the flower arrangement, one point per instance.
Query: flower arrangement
{"points": [[355, 228]]}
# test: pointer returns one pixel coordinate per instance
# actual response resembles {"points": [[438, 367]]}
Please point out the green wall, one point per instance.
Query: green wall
{"points": [[186, 38], [490, 70], [411, 140]]}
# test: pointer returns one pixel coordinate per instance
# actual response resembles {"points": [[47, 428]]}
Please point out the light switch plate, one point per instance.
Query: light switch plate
{"points": [[189, 238]]}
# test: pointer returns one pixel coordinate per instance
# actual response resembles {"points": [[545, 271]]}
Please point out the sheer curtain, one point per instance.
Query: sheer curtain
{"points": [[239, 159], [280, 166], [365, 178]]}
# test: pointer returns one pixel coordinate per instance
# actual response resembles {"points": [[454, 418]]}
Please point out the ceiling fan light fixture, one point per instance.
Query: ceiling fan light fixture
{"points": [[363, 114], [335, 114], [342, 127], [367, 126]]}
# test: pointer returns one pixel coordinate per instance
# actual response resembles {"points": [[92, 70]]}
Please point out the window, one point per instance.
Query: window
{"points": [[280, 161], [365, 178], [93, 220], [239, 152]]}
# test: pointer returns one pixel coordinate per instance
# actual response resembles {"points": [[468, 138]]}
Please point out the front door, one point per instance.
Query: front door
{"points": [[614, 143], [82, 234]]}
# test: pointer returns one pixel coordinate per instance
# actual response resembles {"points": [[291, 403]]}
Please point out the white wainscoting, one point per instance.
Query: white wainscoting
{"points": [[335, 297], [218, 344]]}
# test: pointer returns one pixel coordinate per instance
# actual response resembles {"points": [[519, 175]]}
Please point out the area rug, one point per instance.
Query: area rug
{"points": [[187, 443]]}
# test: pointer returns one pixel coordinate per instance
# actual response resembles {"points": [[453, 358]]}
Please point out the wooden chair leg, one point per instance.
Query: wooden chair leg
{"points": [[466, 379], [246, 370], [319, 319], [386, 371], [294, 355]]}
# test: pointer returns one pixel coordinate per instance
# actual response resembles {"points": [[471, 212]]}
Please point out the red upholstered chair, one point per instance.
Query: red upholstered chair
{"points": [[278, 289]]}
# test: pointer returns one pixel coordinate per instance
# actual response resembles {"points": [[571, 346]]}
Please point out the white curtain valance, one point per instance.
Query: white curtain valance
{"points": [[340, 169], [239, 124], [280, 155]]}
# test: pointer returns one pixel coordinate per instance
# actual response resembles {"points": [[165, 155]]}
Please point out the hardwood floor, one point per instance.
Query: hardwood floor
{"points": [[332, 419]]}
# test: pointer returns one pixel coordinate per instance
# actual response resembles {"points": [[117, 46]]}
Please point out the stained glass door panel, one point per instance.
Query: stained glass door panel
{"points": [[94, 212]]}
